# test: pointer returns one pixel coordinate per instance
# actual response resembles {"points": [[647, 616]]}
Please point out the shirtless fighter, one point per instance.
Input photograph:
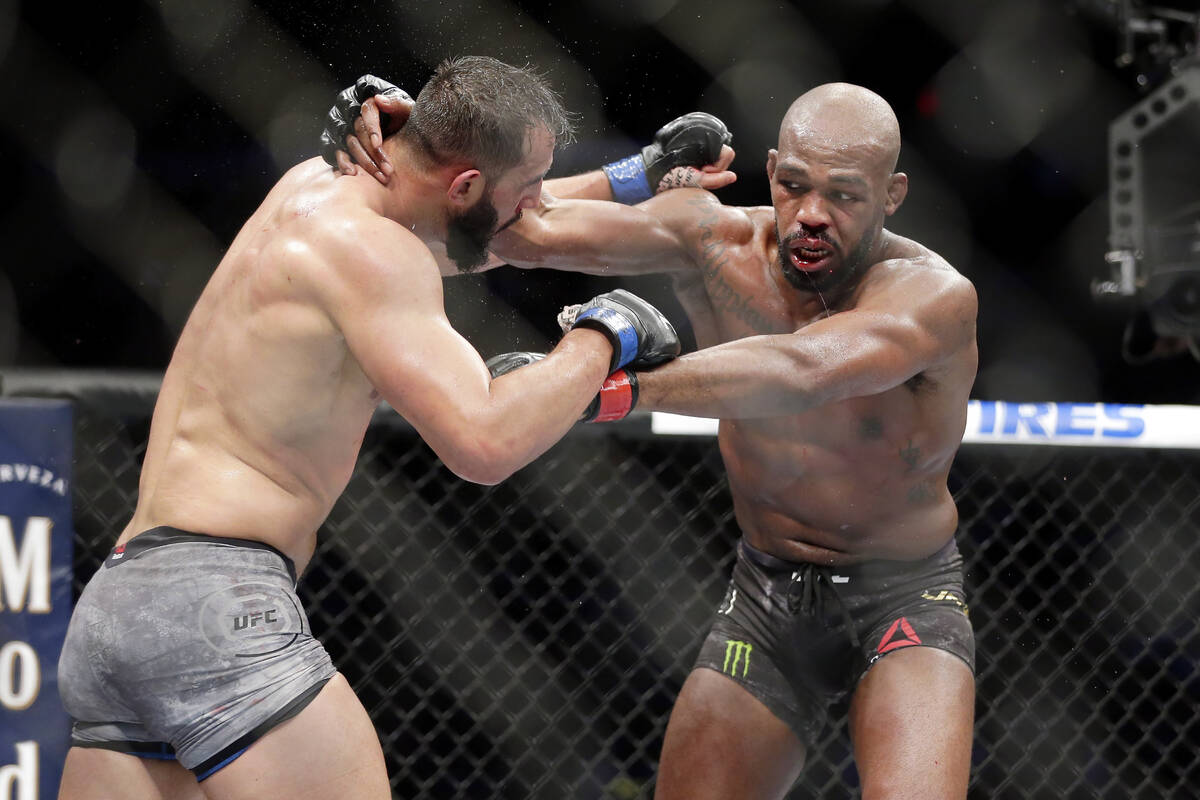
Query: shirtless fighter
{"points": [[839, 357], [188, 649]]}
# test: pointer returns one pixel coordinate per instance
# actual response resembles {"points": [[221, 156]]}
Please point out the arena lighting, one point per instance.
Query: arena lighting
{"points": [[1154, 172]]}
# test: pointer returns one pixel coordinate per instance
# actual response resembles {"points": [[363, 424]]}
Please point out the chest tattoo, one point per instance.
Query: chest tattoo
{"points": [[910, 454], [921, 493], [871, 428], [725, 298]]}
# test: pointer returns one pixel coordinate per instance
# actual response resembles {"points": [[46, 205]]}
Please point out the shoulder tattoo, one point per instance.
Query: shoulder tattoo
{"points": [[714, 258]]}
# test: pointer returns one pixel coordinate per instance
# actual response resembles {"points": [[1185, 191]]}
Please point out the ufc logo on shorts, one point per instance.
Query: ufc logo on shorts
{"points": [[737, 654], [252, 619]]}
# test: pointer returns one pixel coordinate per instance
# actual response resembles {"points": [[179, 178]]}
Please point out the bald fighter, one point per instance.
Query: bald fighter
{"points": [[839, 357], [189, 667]]}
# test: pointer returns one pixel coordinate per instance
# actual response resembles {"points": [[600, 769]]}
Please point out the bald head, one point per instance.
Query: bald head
{"points": [[841, 118]]}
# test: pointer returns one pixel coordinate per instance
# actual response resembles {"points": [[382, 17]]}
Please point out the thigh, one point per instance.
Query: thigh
{"points": [[97, 774], [328, 750], [911, 721], [723, 743]]}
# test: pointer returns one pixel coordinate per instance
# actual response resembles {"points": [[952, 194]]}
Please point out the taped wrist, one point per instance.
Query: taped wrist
{"points": [[620, 331], [628, 180], [616, 399]]}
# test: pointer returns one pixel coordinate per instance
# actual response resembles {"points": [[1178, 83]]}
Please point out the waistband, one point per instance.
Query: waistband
{"points": [[864, 568], [164, 535]]}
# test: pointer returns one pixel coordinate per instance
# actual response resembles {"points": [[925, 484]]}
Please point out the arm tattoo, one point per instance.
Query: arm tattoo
{"points": [[910, 455], [871, 428], [714, 258]]}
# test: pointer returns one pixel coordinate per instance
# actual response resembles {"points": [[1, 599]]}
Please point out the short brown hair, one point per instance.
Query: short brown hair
{"points": [[480, 110]]}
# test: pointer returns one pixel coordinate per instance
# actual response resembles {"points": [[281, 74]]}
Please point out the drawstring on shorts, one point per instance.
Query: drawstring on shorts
{"points": [[809, 599]]}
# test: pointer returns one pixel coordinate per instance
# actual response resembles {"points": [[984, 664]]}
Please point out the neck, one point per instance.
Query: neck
{"points": [[413, 196]]}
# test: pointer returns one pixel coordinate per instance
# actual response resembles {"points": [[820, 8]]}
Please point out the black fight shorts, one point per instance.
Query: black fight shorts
{"points": [[800, 636]]}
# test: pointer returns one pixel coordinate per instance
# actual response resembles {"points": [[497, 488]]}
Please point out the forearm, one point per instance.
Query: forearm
{"points": [[595, 237], [747, 378], [592, 185], [530, 409]]}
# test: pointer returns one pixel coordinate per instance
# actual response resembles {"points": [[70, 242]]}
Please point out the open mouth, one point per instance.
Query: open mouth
{"points": [[810, 255]]}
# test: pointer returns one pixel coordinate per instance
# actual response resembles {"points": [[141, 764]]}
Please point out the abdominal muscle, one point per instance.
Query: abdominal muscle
{"points": [[803, 502]]}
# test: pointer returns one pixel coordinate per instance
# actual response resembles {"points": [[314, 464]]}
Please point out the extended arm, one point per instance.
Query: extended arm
{"points": [[910, 327], [608, 238], [394, 323]]}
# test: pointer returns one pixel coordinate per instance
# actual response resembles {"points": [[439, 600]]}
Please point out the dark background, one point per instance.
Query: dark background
{"points": [[140, 135]]}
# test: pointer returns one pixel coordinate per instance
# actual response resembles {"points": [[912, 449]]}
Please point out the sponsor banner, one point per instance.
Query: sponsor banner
{"points": [[1005, 422], [36, 544], [679, 425]]}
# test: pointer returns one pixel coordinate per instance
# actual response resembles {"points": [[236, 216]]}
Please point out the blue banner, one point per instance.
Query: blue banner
{"points": [[36, 549], [1045, 423]]}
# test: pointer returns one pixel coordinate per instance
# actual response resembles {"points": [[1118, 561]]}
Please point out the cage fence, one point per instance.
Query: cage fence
{"points": [[527, 640]]}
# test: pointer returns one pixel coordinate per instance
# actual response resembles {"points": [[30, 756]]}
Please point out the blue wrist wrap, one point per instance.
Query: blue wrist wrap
{"points": [[627, 178], [626, 345]]}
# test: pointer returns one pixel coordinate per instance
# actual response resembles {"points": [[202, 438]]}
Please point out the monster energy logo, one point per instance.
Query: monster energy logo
{"points": [[736, 653]]}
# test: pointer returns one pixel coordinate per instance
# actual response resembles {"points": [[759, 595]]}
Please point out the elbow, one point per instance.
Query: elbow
{"points": [[522, 246], [481, 461]]}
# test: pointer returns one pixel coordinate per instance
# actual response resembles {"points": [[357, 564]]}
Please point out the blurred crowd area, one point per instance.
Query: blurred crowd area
{"points": [[140, 135]]}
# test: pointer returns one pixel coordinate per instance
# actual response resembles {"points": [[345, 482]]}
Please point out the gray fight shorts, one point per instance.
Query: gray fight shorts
{"points": [[190, 647]]}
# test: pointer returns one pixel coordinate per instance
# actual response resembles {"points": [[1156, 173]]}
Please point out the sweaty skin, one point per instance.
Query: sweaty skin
{"points": [[841, 388], [838, 357], [328, 302]]}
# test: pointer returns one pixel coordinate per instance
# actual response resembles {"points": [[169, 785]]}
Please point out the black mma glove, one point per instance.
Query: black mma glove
{"points": [[339, 122], [639, 333], [693, 140], [617, 397]]}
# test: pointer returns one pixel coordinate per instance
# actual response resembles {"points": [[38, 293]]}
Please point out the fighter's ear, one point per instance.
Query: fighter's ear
{"points": [[772, 159], [897, 190], [466, 188]]}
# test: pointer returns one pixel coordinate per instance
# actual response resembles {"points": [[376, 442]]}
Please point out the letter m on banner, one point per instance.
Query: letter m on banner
{"points": [[36, 551], [25, 566]]}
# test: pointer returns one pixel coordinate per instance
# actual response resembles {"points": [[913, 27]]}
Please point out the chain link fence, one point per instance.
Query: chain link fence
{"points": [[527, 640]]}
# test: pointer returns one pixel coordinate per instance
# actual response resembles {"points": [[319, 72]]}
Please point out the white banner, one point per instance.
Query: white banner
{"points": [[1004, 422]]}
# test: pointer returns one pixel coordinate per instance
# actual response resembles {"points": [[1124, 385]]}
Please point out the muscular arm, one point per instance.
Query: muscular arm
{"points": [[595, 185], [395, 324], [592, 185], [595, 236], [607, 238], [908, 325]]}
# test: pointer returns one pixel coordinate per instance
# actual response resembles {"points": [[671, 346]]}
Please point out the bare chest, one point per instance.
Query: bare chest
{"points": [[740, 297], [842, 473], [891, 436]]}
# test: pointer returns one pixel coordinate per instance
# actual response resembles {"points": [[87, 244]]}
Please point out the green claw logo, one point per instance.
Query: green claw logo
{"points": [[737, 653]]}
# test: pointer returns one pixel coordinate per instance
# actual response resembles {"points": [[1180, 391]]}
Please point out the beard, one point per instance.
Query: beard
{"points": [[841, 272], [468, 235]]}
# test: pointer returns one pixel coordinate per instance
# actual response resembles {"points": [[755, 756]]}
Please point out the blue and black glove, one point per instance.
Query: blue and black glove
{"points": [[693, 140], [640, 335]]}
